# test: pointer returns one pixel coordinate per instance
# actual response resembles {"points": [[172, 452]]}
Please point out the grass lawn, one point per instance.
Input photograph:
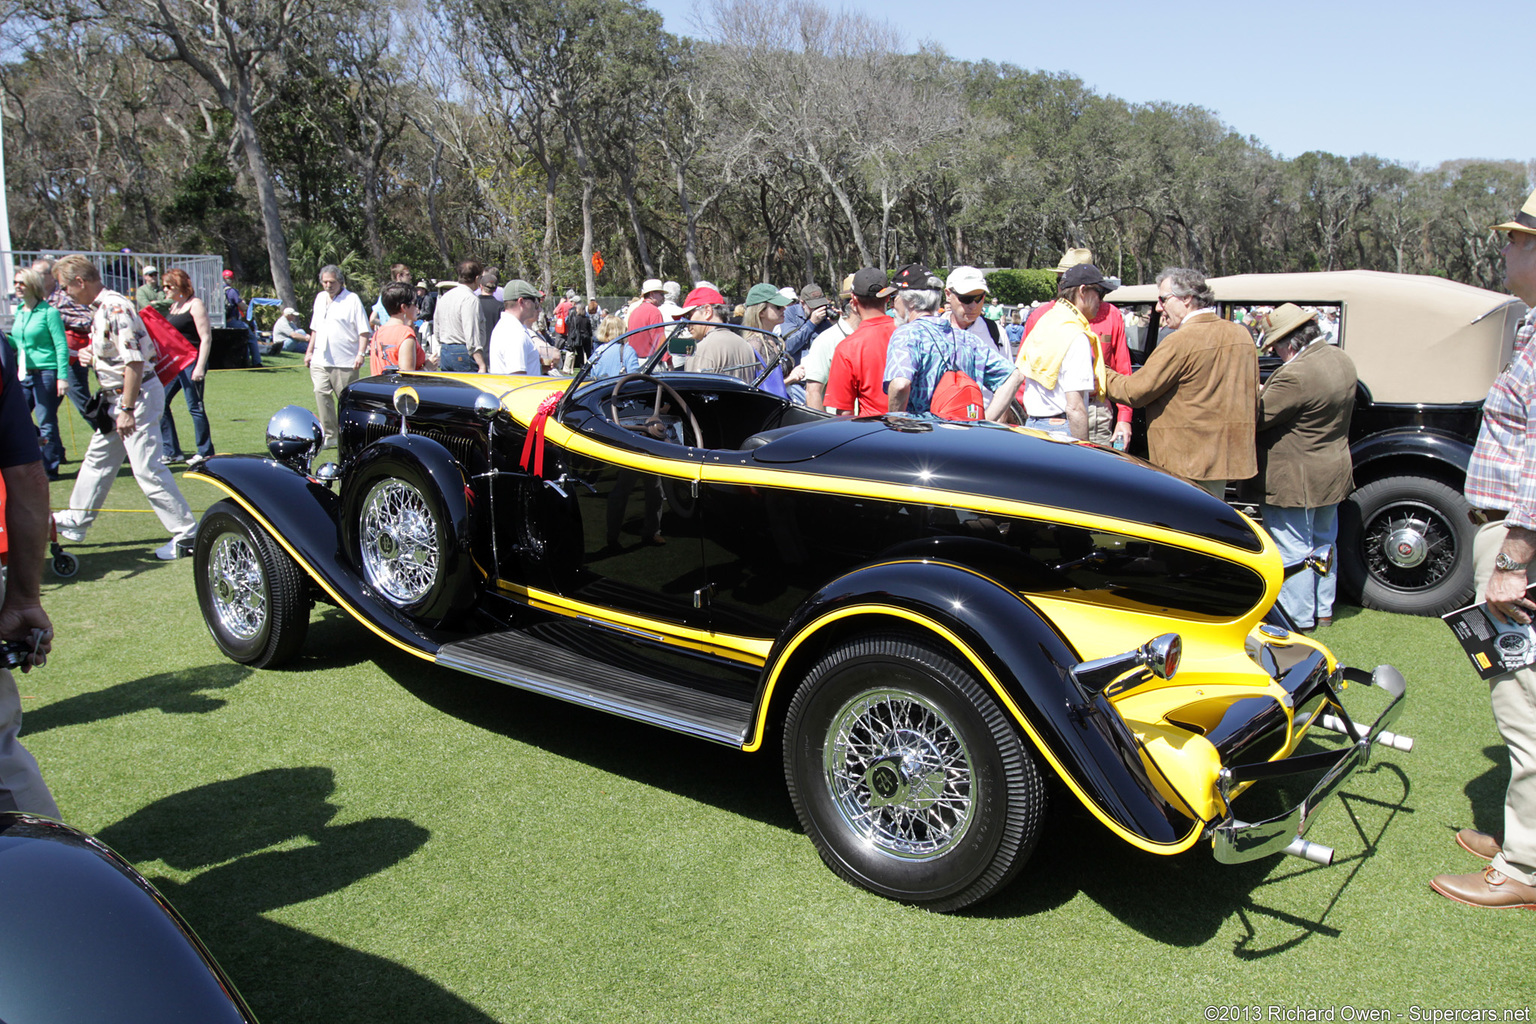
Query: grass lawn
{"points": [[364, 837]]}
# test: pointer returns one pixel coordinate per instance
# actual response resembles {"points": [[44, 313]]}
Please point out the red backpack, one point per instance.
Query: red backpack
{"points": [[957, 396]]}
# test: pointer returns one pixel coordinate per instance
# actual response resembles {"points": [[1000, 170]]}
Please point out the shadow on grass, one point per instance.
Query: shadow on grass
{"points": [[226, 831], [121, 560], [1184, 899], [751, 785], [175, 693], [1486, 792]]}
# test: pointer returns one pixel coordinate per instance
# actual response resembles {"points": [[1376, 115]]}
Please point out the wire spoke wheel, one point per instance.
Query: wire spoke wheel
{"points": [[238, 586], [900, 774], [398, 536]]}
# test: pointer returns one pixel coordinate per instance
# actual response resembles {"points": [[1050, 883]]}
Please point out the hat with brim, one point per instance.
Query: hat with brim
{"points": [[652, 285], [151, 271], [766, 293], [1284, 320], [967, 281], [1071, 258], [1085, 274], [701, 296], [914, 277], [1525, 220], [517, 288], [812, 297], [846, 291], [870, 283]]}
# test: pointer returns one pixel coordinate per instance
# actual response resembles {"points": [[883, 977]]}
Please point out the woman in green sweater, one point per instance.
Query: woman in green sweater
{"points": [[38, 337]]}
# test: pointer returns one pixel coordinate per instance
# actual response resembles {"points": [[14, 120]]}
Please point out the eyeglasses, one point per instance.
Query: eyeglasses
{"points": [[969, 300], [1162, 300]]}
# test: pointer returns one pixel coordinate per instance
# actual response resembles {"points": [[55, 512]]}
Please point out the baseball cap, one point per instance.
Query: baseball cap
{"points": [[290, 311], [702, 295], [916, 277], [870, 283], [1084, 273], [813, 296], [517, 288], [766, 293], [149, 268], [966, 281], [229, 275]]}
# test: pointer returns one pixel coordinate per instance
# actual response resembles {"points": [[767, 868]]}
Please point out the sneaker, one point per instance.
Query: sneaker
{"points": [[169, 551], [174, 460], [73, 534], [195, 463]]}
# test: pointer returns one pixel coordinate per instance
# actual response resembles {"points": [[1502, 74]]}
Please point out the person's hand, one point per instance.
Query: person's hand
{"points": [[820, 313], [1506, 597], [1121, 438], [198, 373], [125, 422], [796, 375], [84, 355], [63, 387], [307, 357], [17, 621]]}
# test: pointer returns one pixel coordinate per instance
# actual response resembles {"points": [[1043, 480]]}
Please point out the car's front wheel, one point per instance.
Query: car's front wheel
{"points": [[1405, 545], [252, 595], [908, 776]]}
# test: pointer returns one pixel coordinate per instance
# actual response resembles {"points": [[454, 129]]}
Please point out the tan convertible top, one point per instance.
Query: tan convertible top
{"points": [[1413, 338]]}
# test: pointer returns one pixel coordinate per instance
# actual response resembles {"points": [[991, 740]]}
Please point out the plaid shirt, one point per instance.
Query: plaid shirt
{"points": [[118, 337], [925, 349], [1502, 474], [76, 317]]}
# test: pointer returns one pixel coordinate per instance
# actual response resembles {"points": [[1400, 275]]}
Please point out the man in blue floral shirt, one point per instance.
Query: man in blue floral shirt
{"points": [[927, 345]]}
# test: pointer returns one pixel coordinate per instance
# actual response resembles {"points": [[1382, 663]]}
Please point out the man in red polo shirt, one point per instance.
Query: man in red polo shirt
{"points": [[856, 381], [647, 314]]}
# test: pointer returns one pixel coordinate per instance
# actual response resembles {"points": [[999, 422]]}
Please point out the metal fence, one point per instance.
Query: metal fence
{"points": [[123, 272]]}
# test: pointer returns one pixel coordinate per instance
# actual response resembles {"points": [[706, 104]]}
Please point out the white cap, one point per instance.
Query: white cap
{"points": [[789, 293], [967, 281], [290, 311]]}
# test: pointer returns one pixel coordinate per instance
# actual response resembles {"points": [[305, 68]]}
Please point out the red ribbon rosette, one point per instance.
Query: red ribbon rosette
{"points": [[533, 446]]}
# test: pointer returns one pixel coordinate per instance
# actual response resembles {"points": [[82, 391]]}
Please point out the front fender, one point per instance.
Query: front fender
{"points": [[1018, 655], [302, 515], [1407, 442]]}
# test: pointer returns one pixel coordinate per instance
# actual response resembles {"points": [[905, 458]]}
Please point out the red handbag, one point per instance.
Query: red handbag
{"points": [[176, 352]]}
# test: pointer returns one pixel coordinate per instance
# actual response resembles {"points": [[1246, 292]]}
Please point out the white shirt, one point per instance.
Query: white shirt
{"points": [[511, 348], [1076, 374], [457, 319], [338, 326], [980, 330]]}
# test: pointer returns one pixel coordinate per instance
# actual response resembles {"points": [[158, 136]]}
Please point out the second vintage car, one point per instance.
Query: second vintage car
{"points": [[927, 621]]}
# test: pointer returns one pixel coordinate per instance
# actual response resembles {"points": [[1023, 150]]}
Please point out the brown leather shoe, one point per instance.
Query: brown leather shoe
{"points": [[1479, 844], [1489, 887]]}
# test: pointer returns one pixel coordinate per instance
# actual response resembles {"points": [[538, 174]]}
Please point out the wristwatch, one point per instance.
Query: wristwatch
{"points": [[1504, 563]]}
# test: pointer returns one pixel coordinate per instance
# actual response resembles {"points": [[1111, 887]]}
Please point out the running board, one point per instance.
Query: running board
{"points": [[520, 660]]}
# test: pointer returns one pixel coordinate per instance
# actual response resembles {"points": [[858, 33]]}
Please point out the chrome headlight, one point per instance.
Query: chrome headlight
{"points": [[294, 437]]}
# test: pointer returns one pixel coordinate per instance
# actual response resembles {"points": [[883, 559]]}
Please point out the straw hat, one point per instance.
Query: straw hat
{"points": [[1285, 319], [1071, 258]]}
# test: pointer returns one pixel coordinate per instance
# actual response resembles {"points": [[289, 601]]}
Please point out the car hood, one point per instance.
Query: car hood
{"points": [[1012, 464]]}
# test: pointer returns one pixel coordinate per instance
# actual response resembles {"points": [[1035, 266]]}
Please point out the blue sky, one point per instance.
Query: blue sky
{"points": [[1409, 81]]}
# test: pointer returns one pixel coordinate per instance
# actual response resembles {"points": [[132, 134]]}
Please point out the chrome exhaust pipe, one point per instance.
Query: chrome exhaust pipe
{"points": [[1317, 853], [1397, 741]]}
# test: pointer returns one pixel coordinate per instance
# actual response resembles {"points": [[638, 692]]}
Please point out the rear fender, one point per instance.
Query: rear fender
{"points": [[1371, 454], [1016, 653]]}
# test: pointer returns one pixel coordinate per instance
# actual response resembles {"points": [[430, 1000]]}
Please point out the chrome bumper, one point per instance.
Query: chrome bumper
{"points": [[1236, 841]]}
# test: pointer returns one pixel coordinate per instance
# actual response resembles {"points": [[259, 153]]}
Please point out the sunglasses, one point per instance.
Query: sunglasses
{"points": [[1162, 300], [969, 300]]}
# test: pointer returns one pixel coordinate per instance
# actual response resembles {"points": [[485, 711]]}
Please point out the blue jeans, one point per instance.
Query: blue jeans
{"points": [[455, 358], [1050, 424], [42, 388], [170, 444], [1298, 532], [80, 388]]}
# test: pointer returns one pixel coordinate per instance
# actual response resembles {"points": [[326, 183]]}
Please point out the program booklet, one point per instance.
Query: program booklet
{"points": [[1495, 647]]}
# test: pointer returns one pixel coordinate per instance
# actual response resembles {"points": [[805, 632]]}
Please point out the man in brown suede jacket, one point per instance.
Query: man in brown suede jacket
{"points": [[1200, 388]]}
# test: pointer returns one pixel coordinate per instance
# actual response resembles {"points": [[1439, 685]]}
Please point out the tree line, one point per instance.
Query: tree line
{"points": [[286, 134]]}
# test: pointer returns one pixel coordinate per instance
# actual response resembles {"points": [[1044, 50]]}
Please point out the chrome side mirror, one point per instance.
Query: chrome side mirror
{"points": [[1320, 561], [406, 403], [328, 474]]}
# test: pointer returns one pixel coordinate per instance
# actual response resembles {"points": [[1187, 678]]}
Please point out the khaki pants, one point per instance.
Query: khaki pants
{"points": [[104, 456], [1101, 422], [1513, 695], [330, 382]]}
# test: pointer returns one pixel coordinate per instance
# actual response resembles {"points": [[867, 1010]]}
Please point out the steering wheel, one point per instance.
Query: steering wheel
{"points": [[661, 386]]}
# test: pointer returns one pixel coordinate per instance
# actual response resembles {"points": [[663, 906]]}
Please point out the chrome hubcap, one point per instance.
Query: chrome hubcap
{"points": [[238, 586], [1406, 546], [399, 541], [1409, 546], [900, 774]]}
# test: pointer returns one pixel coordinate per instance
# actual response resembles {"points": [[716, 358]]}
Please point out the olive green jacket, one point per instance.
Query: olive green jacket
{"points": [[1304, 414]]}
